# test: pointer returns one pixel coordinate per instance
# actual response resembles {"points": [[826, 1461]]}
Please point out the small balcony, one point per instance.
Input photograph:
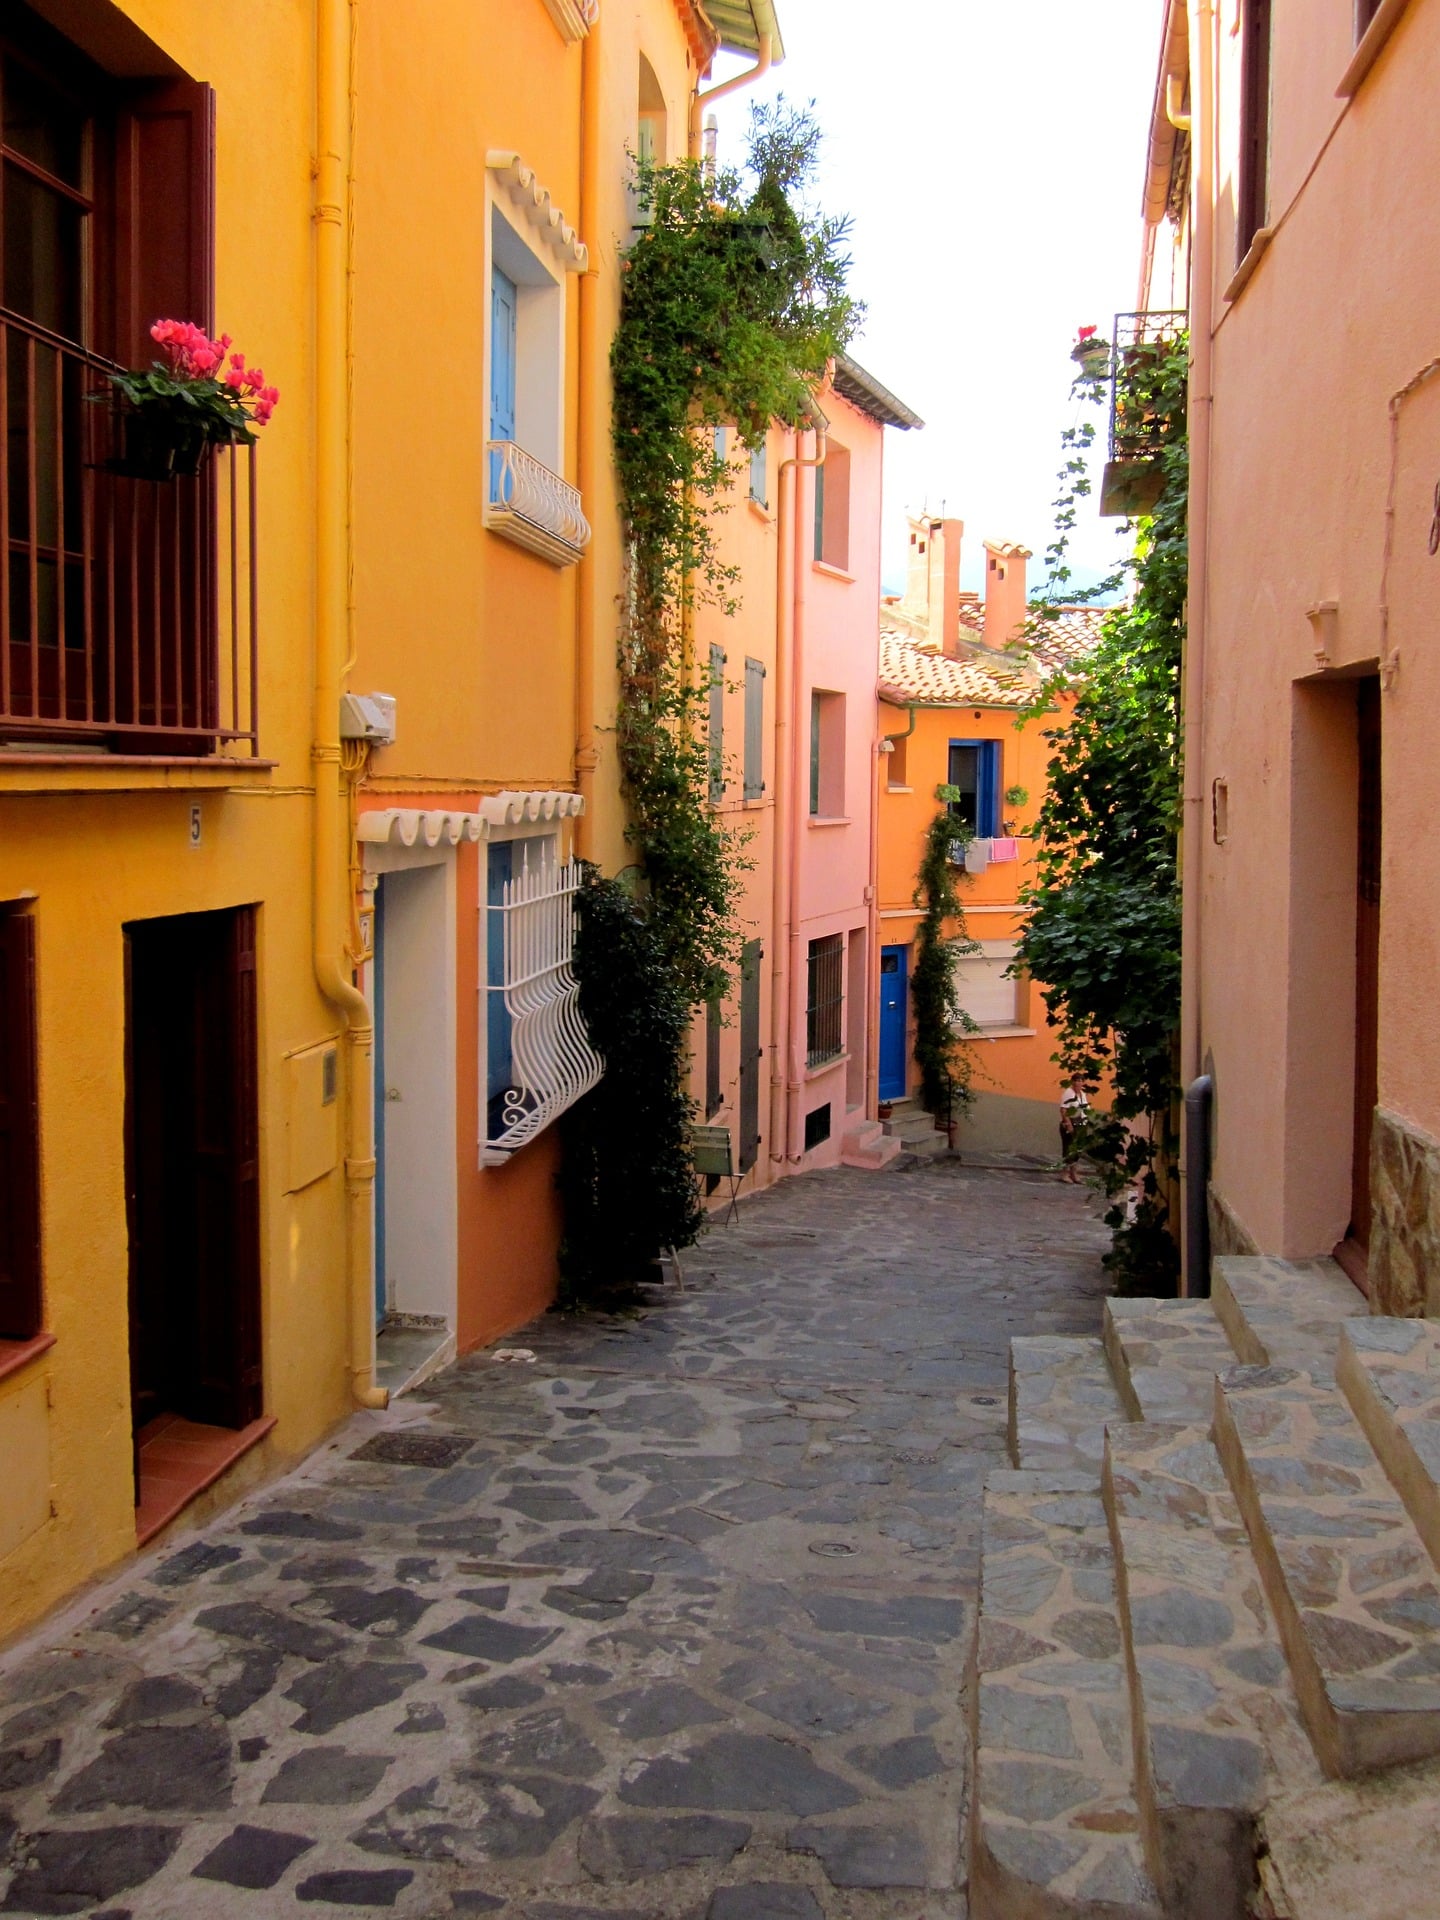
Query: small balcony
{"points": [[1141, 428], [527, 503], [128, 616]]}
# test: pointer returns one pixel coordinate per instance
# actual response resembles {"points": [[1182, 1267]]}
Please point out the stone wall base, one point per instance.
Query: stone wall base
{"points": [[1405, 1217], [1227, 1235]]}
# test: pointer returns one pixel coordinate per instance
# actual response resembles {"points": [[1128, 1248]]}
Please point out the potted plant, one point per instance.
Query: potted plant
{"points": [[1016, 797], [169, 416], [1091, 355]]}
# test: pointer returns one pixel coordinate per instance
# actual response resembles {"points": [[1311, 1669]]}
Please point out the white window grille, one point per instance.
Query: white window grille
{"points": [[550, 1058]]}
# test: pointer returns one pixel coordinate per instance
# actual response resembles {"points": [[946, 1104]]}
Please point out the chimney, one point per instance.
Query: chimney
{"points": [[1005, 603], [932, 581]]}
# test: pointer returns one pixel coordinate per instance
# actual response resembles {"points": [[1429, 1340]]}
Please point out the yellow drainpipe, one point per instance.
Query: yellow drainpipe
{"points": [[588, 384], [699, 101], [334, 88]]}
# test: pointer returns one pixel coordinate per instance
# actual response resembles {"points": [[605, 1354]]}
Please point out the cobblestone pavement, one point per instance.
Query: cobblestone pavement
{"points": [[670, 1624]]}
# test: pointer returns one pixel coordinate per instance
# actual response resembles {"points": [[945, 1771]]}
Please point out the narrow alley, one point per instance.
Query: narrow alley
{"points": [[668, 1621]]}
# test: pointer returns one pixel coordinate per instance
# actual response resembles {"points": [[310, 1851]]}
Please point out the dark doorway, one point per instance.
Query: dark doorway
{"points": [[192, 1177], [1367, 968]]}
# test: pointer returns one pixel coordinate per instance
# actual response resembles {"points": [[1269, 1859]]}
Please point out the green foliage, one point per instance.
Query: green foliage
{"points": [[733, 303], [943, 1052], [627, 1175], [1104, 926], [195, 409]]}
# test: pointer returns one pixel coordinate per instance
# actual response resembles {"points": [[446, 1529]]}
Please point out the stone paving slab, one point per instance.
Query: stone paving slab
{"points": [[1061, 1396], [1390, 1372], [1353, 1590], [1054, 1828], [1283, 1313], [670, 1624], [1214, 1712], [1164, 1355]]}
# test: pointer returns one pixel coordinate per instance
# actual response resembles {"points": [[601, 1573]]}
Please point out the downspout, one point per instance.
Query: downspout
{"points": [[334, 23], [882, 750], [699, 101], [794, 856], [588, 385], [779, 865], [1202, 284]]}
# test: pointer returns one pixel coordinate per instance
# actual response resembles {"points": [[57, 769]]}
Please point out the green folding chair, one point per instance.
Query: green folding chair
{"points": [[715, 1157]]}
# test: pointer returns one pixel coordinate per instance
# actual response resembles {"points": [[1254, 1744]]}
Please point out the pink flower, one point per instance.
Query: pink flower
{"points": [[1088, 333], [234, 379]]}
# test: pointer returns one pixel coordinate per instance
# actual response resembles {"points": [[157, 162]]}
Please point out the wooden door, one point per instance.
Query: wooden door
{"points": [[1367, 958], [894, 1023], [751, 1054], [20, 1303]]}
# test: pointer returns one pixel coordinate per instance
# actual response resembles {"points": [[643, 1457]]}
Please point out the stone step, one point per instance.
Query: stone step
{"points": [[1390, 1371], [1061, 1396], [1352, 1588], [1283, 1313], [1053, 1822], [1164, 1355], [1214, 1717], [871, 1153]]}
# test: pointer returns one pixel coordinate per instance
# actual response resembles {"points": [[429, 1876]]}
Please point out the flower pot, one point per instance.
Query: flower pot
{"points": [[884, 1110], [1093, 362], [155, 446]]}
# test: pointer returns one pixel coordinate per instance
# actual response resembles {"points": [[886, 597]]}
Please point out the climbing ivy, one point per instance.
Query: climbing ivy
{"points": [[733, 302], [1103, 932], [732, 305], [943, 1052]]}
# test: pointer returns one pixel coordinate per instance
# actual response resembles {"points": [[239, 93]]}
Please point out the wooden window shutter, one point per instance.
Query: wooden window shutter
{"points": [[1253, 198], [754, 729], [717, 725], [20, 1302], [164, 214]]}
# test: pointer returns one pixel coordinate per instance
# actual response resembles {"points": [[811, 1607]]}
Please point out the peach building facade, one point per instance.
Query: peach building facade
{"points": [[1288, 197], [955, 673]]}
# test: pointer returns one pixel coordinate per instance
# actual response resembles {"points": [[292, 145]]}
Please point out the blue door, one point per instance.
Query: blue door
{"points": [[503, 302], [894, 1018]]}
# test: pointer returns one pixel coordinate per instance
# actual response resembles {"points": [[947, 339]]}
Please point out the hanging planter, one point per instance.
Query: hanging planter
{"points": [[168, 418], [1091, 355]]}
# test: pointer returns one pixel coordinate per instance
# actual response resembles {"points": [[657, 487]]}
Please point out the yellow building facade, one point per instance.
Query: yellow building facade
{"points": [[246, 921]]}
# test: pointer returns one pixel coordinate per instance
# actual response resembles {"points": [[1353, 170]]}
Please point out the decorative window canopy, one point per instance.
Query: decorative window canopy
{"points": [[574, 18], [497, 818], [534, 205]]}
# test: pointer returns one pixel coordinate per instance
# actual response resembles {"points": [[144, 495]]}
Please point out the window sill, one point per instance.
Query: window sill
{"points": [[890, 787], [114, 772], [826, 1066], [1005, 1033], [1372, 41], [17, 1354], [760, 509], [753, 802], [829, 820], [832, 572], [1244, 273]]}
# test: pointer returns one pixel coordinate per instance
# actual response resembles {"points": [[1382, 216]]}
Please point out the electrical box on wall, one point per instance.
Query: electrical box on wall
{"points": [[312, 1114], [368, 716]]}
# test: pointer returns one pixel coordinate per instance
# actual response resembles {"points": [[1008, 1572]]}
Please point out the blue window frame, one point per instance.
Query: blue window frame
{"points": [[503, 304], [975, 770]]}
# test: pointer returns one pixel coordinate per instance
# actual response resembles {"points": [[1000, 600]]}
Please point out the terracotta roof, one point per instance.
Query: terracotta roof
{"points": [[864, 391], [914, 673], [1062, 643]]}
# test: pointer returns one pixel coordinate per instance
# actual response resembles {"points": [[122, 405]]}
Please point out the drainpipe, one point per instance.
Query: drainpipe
{"points": [[588, 384], [1202, 293], [699, 101], [794, 855], [334, 22], [883, 749]]}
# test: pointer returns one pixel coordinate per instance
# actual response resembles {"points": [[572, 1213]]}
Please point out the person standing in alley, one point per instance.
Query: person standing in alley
{"points": [[1074, 1107]]}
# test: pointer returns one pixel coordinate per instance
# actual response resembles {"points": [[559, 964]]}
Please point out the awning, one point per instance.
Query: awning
{"points": [[538, 210], [495, 819], [740, 24]]}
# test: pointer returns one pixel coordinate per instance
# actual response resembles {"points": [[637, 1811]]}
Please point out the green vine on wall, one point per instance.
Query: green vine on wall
{"points": [[943, 1051], [1103, 933]]}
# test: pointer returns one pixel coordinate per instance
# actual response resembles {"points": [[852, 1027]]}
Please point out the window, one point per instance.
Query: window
{"points": [[983, 985], [1252, 200], [754, 729], [722, 441], [817, 1126], [825, 1000], [832, 509], [20, 1303], [717, 725], [1365, 12], [759, 460], [526, 344], [538, 1056], [714, 1024], [975, 771], [895, 774], [827, 755]]}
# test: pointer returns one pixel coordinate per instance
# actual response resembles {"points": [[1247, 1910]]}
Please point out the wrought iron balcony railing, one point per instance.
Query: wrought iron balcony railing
{"points": [[534, 507], [1143, 418], [127, 606]]}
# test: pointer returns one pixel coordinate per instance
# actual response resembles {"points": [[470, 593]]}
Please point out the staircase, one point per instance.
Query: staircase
{"points": [[865, 1144], [1209, 1619], [914, 1129]]}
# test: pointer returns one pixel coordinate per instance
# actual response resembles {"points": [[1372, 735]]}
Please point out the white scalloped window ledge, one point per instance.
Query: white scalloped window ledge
{"points": [[573, 18]]}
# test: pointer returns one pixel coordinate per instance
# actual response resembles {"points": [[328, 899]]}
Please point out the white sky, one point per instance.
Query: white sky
{"points": [[992, 157]]}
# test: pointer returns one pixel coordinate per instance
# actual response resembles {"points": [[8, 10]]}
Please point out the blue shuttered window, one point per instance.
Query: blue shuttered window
{"points": [[503, 304], [754, 729], [975, 770]]}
